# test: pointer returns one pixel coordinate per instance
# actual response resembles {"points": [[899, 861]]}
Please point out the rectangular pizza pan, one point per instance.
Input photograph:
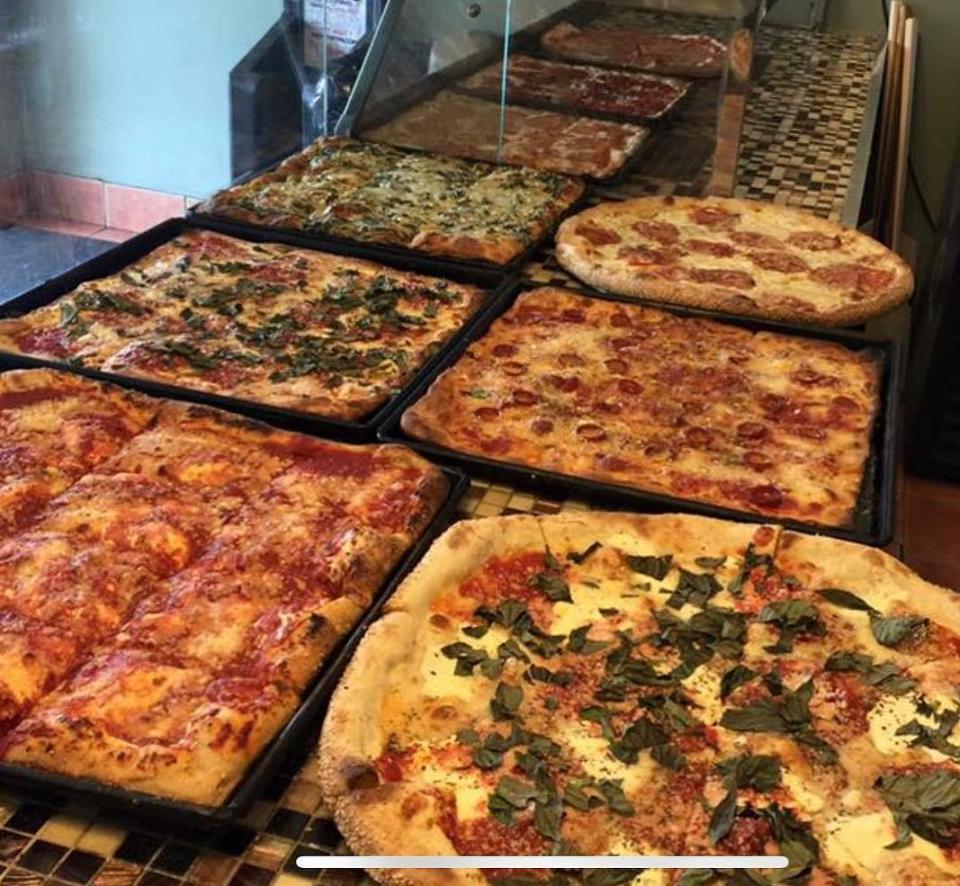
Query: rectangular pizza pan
{"points": [[300, 728], [114, 260], [441, 266], [873, 521]]}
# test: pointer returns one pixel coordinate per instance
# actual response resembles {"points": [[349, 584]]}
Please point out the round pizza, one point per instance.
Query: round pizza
{"points": [[742, 256], [614, 684]]}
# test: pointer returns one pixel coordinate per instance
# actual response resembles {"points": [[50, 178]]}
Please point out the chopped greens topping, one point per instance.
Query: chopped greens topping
{"points": [[792, 617], [654, 567], [888, 631], [886, 676], [925, 803]]}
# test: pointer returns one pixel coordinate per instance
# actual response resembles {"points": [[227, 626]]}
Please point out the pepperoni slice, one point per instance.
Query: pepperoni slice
{"points": [[782, 262], [698, 437], [613, 463], [627, 342], [566, 383], [514, 368], [648, 255], [809, 432], [755, 240], [863, 278], [845, 404], [661, 232], [752, 430], [487, 413], [505, 350], [593, 433], [814, 241], [571, 360], [597, 235], [610, 407], [651, 450], [766, 496], [807, 376], [573, 315], [541, 426], [723, 277], [713, 216], [524, 398], [629, 386], [759, 461], [710, 247], [620, 320], [618, 366]]}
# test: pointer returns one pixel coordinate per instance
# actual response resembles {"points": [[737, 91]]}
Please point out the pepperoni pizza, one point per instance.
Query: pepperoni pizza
{"points": [[742, 256], [163, 610], [610, 684], [691, 408], [683, 55]]}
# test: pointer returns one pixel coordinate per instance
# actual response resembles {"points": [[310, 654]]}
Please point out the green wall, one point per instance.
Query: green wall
{"points": [[10, 98], [136, 91]]}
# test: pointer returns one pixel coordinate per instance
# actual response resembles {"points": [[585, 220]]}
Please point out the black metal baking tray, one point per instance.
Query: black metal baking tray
{"points": [[122, 255], [441, 266], [873, 521], [298, 728]]}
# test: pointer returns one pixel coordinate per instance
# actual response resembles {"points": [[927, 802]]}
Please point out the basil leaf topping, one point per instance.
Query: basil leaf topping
{"points": [[760, 772], [694, 588], [926, 804], [710, 562], [579, 558], [885, 676], [737, 676], [792, 617], [893, 630], [655, 567], [723, 817], [845, 599], [506, 701]]}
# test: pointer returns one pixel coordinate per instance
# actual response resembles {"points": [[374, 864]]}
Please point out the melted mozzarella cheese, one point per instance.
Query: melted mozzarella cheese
{"points": [[593, 752], [809, 801], [703, 686], [892, 712], [858, 842]]}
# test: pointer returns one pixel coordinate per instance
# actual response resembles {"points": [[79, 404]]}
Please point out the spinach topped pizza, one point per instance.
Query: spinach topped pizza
{"points": [[285, 327], [375, 193]]}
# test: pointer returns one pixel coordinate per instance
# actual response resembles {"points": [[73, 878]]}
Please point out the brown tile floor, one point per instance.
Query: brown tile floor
{"points": [[931, 530]]}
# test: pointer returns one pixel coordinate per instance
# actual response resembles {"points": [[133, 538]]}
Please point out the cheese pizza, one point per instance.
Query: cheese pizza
{"points": [[284, 327], [586, 89], [611, 684], [162, 616], [374, 193], [686, 407], [683, 55], [743, 256], [463, 126]]}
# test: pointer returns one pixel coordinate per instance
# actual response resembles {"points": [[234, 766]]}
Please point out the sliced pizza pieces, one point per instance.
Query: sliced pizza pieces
{"points": [[742, 256], [163, 615], [612, 684]]}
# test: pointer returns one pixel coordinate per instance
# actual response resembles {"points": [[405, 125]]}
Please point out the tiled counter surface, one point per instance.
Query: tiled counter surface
{"points": [[799, 144]]}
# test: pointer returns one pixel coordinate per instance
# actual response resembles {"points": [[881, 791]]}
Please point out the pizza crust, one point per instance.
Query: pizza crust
{"points": [[605, 271]]}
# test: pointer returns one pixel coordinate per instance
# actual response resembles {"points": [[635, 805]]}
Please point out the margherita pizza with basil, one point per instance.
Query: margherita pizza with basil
{"points": [[670, 685], [743, 256], [285, 327], [632, 395], [170, 595]]}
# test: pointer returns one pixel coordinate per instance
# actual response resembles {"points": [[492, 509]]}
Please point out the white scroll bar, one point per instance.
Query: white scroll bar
{"points": [[540, 862]]}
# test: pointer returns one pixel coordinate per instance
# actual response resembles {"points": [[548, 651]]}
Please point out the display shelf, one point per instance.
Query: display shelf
{"points": [[803, 123]]}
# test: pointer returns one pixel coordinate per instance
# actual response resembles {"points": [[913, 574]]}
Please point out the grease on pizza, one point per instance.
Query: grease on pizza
{"points": [[286, 327], [614, 684], [426, 202], [464, 126], [633, 395], [161, 617], [743, 256]]}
